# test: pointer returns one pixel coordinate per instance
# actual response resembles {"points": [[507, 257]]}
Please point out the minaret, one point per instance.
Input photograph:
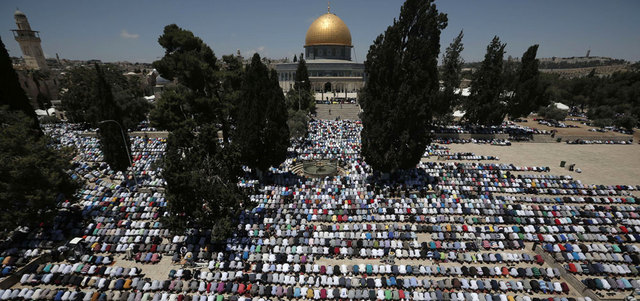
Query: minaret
{"points": [[29, 41]]}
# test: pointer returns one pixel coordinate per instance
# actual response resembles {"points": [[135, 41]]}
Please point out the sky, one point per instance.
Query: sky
{"points": [[117, 30]]}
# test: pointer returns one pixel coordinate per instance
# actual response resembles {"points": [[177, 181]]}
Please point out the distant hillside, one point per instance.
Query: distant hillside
{"points": [[578, 72], [568, 66], [578, 62]]}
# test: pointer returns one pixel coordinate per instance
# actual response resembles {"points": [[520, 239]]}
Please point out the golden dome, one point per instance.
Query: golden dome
{"points": [[328, 29]]}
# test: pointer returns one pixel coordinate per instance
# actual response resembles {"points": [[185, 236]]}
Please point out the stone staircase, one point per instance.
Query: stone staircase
{"points": [[345, 111]]}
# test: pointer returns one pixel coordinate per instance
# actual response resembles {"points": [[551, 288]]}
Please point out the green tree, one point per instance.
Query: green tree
{"points": [[298, 123], [202, 181], [262, 134], [32, 174], [194, 65], [553, 113], [529, 92], [173, 110], [109, 119], [451, 76], [201, 174], [485, 105], [626, 121], [11, 93], [231, 83], [80, 96], [302, 89], [401, 88], [188, 59]]}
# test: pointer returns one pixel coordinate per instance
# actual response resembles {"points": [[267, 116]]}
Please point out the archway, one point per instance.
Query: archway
{"points": [[327, 87]]}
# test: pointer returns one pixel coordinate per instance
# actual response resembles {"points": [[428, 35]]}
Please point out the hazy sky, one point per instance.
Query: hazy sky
{"points": [[128, 30]]}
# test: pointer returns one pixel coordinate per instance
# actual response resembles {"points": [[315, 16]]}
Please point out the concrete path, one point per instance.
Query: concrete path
{"points": [[333, 111]]}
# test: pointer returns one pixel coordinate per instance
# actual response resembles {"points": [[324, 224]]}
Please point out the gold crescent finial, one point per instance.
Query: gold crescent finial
{"points": [[328, 6]]}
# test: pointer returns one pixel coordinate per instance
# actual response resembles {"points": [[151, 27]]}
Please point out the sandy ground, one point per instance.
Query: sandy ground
{"points": [[600, 164]]}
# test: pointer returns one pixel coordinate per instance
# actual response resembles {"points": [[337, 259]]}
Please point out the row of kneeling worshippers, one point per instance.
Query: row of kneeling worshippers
{"points": [[265, 272], [297, 293]]}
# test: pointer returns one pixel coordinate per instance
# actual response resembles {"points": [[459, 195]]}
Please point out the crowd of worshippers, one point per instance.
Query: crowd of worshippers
{"points": [[555, 124], [597, 141], [492, 141], [506, 127], [437, 232], [443, 153]]}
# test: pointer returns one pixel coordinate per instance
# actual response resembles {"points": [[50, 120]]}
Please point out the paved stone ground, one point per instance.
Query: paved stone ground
{"points": [[600, 164], [333, 111]]}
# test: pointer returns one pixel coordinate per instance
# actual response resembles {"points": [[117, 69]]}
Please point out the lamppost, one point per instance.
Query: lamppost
{"points": [[126, 147], [299, 86]]}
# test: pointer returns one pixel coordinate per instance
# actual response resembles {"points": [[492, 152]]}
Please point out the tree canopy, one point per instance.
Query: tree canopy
{"points": [[401, 88], [207, 89], [451, 76], [201, 181], [262, 134], [486, 104], [194, 65], [301, 96], [528, 91], [81, 96], [188, 59], [607, 100], [33, 176], [114, 142], [11, 93], [201, 173]]}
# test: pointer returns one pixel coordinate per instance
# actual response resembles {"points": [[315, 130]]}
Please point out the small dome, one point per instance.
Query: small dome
{"points": [[19, 13], [328, 29], [162, 81]]}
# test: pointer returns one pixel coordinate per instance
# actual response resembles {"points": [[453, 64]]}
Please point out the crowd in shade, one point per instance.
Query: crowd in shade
{"points": [[591, 141], [443, 153], [454, 231], [506, 127]]}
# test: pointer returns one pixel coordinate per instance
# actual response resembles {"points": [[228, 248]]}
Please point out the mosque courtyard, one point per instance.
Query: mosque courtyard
{"points": [[471, 222]]}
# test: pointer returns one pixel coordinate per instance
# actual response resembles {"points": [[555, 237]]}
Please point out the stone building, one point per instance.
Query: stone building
{"points": [[327, 51]]}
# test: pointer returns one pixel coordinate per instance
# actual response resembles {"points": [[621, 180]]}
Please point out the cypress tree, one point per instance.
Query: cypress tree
{"points": [[262, 133], [401, 88], [529, 93], [114, 141], [485, 105], [11, 93], [302, 88], [451, 77]]}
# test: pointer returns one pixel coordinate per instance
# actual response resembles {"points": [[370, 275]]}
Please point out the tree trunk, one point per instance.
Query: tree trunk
{"points": [[260, 174]]}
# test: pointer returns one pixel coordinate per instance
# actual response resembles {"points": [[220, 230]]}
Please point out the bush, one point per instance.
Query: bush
{"points": [[297, 123], [553, 113], [627, 122], [603, 122]]}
